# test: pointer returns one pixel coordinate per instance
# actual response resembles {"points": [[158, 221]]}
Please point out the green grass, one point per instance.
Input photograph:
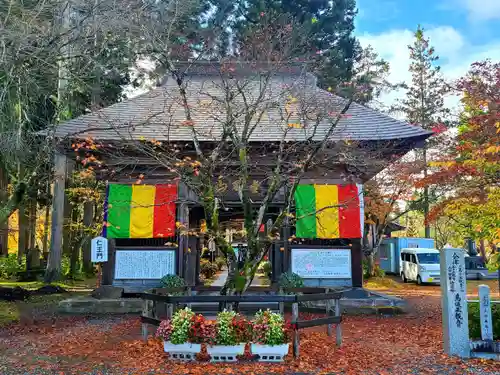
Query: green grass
{"points": [[382, 283], [9, 311], [67, 284]]}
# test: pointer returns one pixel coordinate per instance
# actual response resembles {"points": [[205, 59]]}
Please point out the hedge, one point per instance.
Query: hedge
{"points": [[475, 322]]}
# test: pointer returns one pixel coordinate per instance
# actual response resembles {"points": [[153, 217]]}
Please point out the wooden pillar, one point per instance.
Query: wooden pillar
{"points": [[88, 218], [108, 268], [190, 261], [286, 255], [357, 263], [183, 218], [296, 339], [54, 262]]}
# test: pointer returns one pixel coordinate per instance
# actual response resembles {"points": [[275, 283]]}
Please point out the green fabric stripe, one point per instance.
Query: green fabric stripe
{"points": [[305, 207], [119, 200]]}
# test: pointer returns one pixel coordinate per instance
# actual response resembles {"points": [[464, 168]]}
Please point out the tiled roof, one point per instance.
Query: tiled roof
{"points": [[160, 114]]}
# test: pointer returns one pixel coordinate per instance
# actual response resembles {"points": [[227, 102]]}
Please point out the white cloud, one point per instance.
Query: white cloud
{"points": [[456, 55], [483, 10]]}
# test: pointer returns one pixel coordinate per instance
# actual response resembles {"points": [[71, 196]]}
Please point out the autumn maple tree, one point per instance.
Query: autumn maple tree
{"points": [[387, 198], [470, 168]]}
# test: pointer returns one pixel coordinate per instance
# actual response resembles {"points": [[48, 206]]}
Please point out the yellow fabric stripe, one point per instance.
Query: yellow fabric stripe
{"points": [[142, 211], [327, 219]]}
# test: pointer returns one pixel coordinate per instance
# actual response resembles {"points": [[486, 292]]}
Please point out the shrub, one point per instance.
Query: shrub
{"points": [[9, 267], [377, 271], [232, 329], [176, 330], [208, 269], [290, 280], [201, 330], [173, 281], [270, 329], [475, 321], [266, 268], [164, 331], [220, 262]]}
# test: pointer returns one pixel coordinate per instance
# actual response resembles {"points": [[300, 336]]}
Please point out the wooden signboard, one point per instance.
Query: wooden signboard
{"points": [[144, 264], [322, 263]]}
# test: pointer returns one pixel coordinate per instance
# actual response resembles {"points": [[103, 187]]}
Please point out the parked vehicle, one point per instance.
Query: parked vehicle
{"points": [[420, 265], [390, 251]]}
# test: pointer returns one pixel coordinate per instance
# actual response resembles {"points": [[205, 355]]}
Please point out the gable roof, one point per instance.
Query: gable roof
{"points": [[160, 114]]}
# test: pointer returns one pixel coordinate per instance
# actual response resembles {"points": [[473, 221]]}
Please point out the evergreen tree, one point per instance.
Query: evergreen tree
{"points": [[424, 102], [329, 26]]}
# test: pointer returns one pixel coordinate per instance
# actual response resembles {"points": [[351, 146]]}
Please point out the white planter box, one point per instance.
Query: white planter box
{"points": [[182, 352], [270, 353], [225, 353]]}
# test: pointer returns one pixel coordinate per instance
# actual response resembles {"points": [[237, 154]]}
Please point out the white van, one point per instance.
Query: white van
{"points": [[420, 265]]}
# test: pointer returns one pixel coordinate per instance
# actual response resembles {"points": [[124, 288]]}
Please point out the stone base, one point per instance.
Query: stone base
{"points": [[107, 292], [89, 305]]}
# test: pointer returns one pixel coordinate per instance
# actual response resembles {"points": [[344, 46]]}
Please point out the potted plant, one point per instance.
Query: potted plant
{"points": [[177, 335], [232, 332], [271, 336]]}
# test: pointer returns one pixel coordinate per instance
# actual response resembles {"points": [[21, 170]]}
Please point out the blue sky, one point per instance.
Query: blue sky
{"points": [[461, 32]]}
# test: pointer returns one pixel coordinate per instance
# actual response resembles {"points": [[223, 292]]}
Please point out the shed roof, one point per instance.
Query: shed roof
{"points": [[160, 114]]}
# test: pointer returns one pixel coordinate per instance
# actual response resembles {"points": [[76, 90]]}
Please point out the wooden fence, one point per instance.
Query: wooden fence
{"points": [[173, 298]]}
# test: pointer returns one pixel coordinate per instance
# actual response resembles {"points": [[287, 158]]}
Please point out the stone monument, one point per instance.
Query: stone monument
{"points": [[485, 313], [454, 303]]}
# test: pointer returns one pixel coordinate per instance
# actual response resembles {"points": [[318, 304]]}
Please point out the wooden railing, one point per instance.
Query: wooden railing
{"points": [[284, 298]]}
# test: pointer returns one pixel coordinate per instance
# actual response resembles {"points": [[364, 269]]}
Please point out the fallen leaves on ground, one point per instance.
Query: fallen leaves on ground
{"points": [[407, 344]]}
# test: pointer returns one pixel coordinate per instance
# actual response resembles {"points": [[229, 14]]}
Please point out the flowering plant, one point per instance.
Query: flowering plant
{"points": [[270, 329], [232, 329], [202, 330], [164, 331], [176, 330]]}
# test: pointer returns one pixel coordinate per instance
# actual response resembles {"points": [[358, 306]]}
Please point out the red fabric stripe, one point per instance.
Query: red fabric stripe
{"points": [[349, 216], [164, 213]]}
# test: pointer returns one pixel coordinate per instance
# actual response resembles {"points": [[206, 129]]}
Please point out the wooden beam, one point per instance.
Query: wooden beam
{"points": [[183, 218], [357, 263]]}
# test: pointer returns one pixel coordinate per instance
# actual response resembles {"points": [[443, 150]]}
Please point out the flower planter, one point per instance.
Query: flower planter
{"points": [[225, 353], [270, 353], [182, 352]]}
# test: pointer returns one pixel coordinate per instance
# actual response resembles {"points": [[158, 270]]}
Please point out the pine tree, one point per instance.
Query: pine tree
{"points": [[329, 26], [424, 102]]}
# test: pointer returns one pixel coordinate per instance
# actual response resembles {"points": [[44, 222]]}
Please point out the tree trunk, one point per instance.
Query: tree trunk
{"points": [[482, 250], [32, 213], [53, 271], [4, 225], [75, 246], [88, 216], [426, 199], [22, 241], [46, 226]]}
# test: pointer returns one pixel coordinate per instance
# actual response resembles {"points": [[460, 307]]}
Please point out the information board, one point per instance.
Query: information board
{"points": [[322, 263], [144, 264]]}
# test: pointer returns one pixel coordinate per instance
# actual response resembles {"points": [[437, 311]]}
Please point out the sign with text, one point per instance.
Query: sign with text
{"points": [[99, 250], [454, 303], [144, 264], [322, 263], [485, 313]]}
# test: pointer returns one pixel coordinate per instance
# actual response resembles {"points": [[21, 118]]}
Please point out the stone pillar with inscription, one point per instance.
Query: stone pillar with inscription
{"points": [[454, 303], [485, 313]]}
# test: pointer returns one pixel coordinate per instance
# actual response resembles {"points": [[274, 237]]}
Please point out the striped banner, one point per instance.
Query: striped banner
{"points": [[329, 211], [140, 211]]}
